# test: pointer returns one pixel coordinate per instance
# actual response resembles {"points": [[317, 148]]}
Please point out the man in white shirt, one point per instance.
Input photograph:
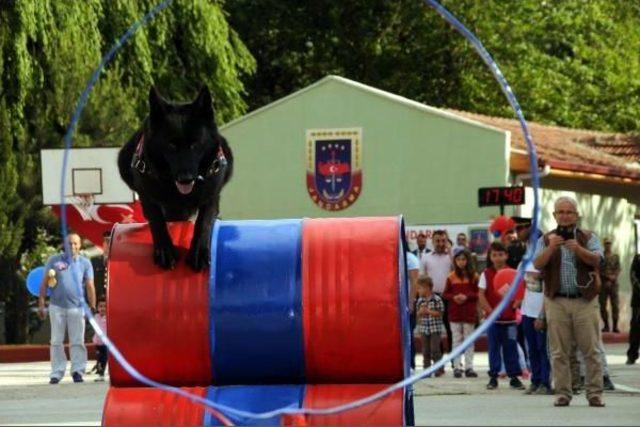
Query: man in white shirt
{"points": [[422, 249], [437, 265]]}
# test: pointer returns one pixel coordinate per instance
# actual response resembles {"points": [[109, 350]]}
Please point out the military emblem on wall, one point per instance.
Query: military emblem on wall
{"points": [[334, 167]]}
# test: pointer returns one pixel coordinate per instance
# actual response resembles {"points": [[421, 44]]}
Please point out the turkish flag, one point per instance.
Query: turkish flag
{"points": [[91, 222]]}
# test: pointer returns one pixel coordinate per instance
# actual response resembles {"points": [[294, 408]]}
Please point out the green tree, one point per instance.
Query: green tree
{"points": [[570, 62], [49, 49]]}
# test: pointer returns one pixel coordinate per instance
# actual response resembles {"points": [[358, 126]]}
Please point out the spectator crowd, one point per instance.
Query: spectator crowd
{"points": [[550, 332]]}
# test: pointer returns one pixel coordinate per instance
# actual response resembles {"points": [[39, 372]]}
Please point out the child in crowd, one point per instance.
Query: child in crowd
{"points": [[502, 334], [430, 326], [461, 290], [533, 327], [101, 349]]}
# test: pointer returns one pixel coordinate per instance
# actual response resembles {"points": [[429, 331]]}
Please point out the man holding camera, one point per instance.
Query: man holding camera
{"points": [[569, 259]]}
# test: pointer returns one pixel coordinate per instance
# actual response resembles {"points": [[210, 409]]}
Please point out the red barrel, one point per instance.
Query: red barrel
{"points": [[133, 406], [388, 411], [351, 304], [142, 406], [158, 319]]}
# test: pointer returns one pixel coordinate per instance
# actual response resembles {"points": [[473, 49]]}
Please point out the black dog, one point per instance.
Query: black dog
{"points": [[178, 163]]}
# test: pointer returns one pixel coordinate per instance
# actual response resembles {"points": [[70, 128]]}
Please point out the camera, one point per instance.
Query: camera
{"points": [[566, 232]]}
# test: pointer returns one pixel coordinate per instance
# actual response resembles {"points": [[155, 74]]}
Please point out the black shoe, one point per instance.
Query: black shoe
{"points": [[607, 384], [77, 377], [533, 388], [605, 329], [616, 330], [470, 373], [457, 373], [54, 380], [630, 361], [543, 389], [493, 384], [516, 383]]}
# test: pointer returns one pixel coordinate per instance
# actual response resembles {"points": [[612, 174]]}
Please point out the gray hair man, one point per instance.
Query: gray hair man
{"points": [[568, 259]]}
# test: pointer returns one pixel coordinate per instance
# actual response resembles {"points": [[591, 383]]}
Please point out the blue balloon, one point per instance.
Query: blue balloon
{"points": [[34, 279]]}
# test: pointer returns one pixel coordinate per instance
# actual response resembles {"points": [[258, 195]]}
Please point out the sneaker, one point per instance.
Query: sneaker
{"points": [[54, 380], [99, 379], [516, 383], [470, 373], [533, 388], [457, 373], [493, 384], [543, 389], [607, 384], [77, 377]]}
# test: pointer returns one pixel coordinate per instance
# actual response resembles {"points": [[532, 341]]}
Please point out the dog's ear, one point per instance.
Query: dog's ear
{"points": [[203, 105], [157, 105]]}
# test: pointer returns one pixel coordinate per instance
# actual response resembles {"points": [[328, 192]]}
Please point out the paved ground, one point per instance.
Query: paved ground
{"points": [[452, 401], [27, 399]]}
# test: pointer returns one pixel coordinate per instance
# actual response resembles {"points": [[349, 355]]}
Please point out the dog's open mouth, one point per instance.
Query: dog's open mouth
{"points": [[185, 188]]}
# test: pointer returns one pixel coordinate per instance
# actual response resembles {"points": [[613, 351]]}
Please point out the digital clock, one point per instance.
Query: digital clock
{"points": [[500, 196]]}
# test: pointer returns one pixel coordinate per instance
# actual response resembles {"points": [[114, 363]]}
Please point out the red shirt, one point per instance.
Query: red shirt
{"points": [[494, 297], [465, 312]]}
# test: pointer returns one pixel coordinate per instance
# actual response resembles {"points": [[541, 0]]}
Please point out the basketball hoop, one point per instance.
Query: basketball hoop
{"points": [[83, 202]]}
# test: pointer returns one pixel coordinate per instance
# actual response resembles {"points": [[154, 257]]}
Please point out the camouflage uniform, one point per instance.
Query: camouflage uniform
{"points": [[610, 268]]}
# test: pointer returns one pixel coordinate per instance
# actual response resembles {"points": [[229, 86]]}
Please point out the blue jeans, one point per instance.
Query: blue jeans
{"points": [[503, 345], [538, 355]]}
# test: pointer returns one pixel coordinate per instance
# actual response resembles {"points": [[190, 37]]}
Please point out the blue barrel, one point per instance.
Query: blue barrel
{"points": [[256, 302]]}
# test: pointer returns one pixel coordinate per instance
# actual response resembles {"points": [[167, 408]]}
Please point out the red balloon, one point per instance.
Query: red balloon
{"points": [[501, 224], [502, 282]]}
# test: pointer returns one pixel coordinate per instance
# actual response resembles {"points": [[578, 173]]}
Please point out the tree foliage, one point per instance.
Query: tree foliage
{"points": [[570, 62], [49, 50], [573, 63]]}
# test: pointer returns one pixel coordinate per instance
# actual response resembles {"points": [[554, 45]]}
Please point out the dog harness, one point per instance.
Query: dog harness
{"points": [[138, 163]]}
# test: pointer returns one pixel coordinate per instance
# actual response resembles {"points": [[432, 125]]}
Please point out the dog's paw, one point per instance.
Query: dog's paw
{"points": [[165, 256], [198, 257]]}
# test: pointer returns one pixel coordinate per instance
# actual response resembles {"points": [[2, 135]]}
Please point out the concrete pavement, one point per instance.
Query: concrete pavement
{"points": [[26, 398], [460, 401]]}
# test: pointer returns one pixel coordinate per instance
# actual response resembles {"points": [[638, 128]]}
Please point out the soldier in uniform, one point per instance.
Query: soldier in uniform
{"points": [[609, 291]]}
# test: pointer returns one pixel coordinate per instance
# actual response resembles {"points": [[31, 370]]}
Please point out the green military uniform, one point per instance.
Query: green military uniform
{"points": [[609, 276]]}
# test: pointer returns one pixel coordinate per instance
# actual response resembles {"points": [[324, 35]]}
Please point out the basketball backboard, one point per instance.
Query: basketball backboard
{"points": [[90, 171]]}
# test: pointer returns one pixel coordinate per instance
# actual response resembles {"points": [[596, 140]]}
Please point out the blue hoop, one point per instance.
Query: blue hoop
{"points": [[535, 180]]}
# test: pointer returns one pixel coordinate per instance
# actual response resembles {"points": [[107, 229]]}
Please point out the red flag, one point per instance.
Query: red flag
{"points": [[92, 221]]}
